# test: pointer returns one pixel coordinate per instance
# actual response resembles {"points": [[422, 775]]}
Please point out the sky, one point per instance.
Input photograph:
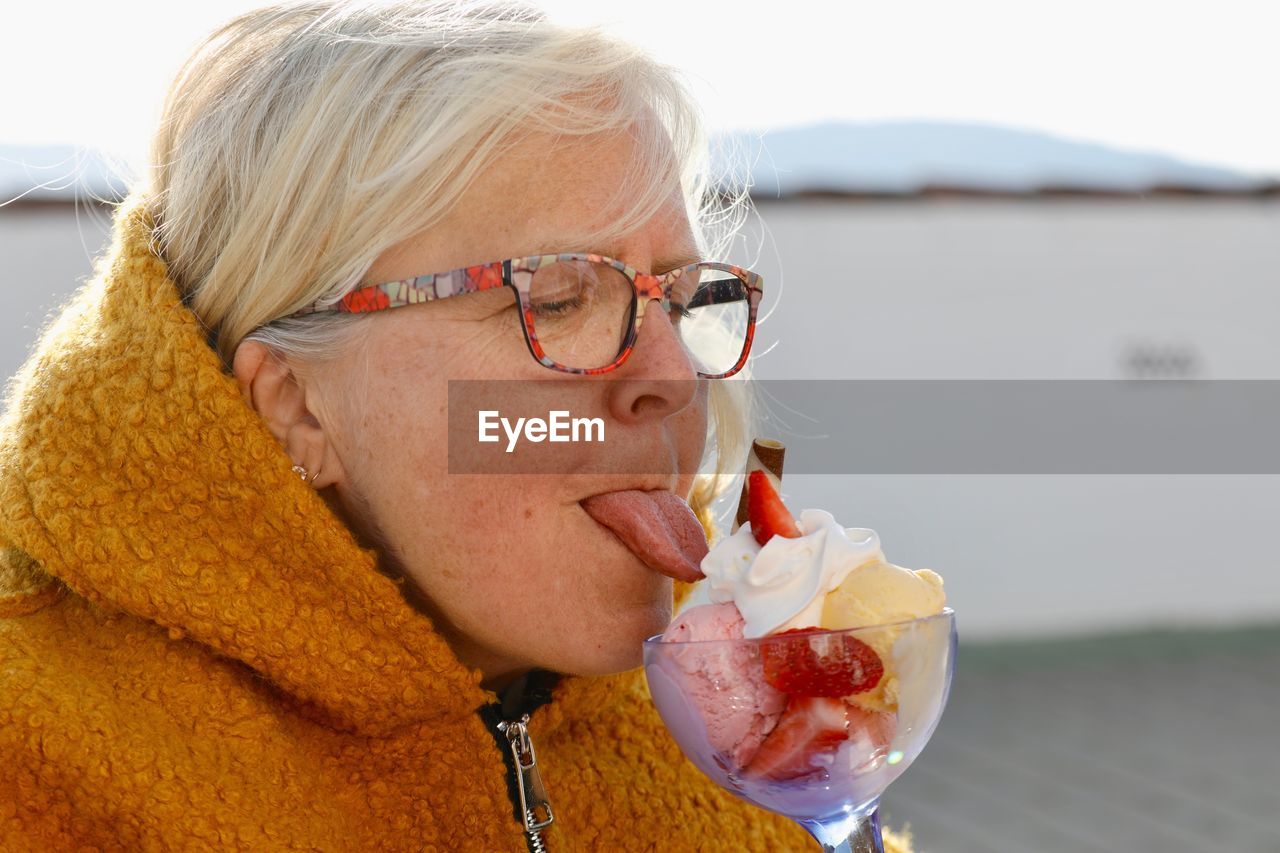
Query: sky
{"points": [[1194, 79]]}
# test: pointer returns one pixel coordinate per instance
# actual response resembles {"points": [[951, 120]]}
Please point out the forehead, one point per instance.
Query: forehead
{"points": [[547, 193], [570, 191]]}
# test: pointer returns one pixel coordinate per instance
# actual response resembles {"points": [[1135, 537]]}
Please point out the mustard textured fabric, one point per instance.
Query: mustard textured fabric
{"points": [[196, 654]]}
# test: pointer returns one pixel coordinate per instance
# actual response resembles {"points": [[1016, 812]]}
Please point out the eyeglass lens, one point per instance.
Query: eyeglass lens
{"points": [[582, 311]]}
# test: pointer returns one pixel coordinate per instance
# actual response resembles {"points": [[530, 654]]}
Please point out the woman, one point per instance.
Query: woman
{"points": [[244, 601]]}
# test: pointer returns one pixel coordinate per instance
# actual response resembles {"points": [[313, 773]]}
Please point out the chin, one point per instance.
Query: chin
{"points": [[620, 644]]}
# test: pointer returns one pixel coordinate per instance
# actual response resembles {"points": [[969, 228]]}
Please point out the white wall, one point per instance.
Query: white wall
{"points": [[972, 289], [45, 253], [1064, 289], [1005, 289]]}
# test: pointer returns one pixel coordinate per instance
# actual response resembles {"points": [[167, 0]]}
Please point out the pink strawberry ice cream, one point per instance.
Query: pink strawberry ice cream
{"points": [[739, 707]]}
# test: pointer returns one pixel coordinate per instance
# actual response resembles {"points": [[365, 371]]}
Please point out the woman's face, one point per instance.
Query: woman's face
{"points": [[513, 569]]}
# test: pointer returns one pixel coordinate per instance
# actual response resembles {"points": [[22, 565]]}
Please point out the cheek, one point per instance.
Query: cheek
{"points": [[400, 432]]}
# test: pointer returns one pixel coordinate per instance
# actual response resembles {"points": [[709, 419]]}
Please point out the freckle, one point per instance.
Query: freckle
{"points": [[528, 513]]}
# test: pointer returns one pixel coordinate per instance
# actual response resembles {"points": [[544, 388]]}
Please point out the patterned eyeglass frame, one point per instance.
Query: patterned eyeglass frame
{"points": [[517, 273]]}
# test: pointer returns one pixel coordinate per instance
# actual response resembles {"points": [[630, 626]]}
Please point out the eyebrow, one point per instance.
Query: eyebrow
{"points": [[660, 265]]}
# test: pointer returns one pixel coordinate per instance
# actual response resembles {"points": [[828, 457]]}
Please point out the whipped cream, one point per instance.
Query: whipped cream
{"points": [[782, 585]]}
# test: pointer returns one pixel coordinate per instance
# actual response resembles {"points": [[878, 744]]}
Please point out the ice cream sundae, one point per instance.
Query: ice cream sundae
{"points": [[807, 691]]}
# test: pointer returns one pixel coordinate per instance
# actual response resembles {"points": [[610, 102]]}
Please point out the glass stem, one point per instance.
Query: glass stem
{"points": [[854, 834]]}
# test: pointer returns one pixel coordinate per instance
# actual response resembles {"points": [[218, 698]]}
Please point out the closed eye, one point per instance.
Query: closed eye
{"points": [[557, 308]]}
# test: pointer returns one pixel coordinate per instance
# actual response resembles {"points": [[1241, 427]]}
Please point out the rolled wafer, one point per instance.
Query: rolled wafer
{"points": [[766, 455]]}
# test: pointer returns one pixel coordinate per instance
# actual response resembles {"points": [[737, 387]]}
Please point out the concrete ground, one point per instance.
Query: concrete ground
{"points": [[1146, 743]]}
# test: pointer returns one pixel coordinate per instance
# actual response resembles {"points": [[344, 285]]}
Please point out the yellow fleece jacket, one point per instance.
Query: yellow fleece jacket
{"points": [[196, 654]]}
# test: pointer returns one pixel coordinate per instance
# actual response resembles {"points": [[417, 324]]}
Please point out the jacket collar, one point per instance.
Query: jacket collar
{"points": [[133, 473]]}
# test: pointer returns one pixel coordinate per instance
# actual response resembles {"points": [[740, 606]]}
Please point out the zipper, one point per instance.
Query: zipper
{"points": [[508, 722], [535, 808]]}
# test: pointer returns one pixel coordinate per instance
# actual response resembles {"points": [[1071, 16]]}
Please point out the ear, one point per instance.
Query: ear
{"points": [[273, 390]]}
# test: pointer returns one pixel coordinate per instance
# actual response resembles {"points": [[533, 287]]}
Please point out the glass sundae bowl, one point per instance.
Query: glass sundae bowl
{"points": [[768, 719]]}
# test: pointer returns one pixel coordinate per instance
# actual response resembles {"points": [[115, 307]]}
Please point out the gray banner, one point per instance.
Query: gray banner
{"points": [[903, 427]]}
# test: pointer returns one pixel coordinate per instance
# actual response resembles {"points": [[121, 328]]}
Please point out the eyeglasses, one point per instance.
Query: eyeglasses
{"points": [[582, 312]]}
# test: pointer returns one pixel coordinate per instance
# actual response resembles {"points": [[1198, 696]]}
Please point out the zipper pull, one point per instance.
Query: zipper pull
{"points": [[533, 796]]}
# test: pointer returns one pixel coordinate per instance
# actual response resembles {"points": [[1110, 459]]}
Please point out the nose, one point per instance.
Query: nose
{"points": [[658, 378]]}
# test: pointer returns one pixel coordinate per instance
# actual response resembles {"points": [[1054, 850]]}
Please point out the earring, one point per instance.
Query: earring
{"points": [[302, 472]]}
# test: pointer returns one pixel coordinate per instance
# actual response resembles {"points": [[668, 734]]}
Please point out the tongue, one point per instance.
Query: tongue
{"points": [[657, 526]]}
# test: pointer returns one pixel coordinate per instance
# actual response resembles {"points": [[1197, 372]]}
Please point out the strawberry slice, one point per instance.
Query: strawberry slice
{"points": [[808, 729], [820, 663], [766, 512]]}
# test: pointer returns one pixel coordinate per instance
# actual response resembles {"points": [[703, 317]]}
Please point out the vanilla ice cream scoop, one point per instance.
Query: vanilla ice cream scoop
{"points": [[878, 592]]}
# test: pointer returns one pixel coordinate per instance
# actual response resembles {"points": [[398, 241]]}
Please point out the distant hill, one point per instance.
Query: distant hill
{"points": [[910, 157], [878, 158]]}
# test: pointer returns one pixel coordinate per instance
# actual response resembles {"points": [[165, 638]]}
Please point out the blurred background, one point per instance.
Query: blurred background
{"points": [[988, 190]]}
